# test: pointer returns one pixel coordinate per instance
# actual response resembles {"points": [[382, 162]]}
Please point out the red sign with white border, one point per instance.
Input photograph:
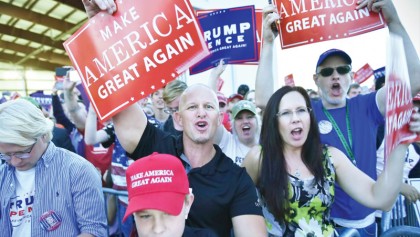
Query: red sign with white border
{"points": [[363, 74], [399, 108], [289, 81], [308, 21], [124, 57]]}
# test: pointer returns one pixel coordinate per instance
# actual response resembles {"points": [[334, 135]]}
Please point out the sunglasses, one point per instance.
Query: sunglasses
{"points": [[328, 71]]}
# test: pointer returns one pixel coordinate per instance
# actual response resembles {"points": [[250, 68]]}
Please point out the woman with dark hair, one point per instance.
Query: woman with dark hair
{"points": [[295, 174]]}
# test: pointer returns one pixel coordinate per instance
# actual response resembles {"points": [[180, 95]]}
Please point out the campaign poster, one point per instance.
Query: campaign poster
{"points": [[289, 81], [363, 74], [258, 34], [122, 58], [399, 102], [306, 21], [45, 101], [229, 35], [378, 73]]}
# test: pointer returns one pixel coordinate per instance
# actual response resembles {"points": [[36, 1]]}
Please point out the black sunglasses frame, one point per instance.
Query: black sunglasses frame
{"points": [[328, 71]]}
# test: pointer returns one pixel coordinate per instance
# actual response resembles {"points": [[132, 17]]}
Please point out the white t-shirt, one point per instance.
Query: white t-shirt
{"points": [[21, 204], [411, 158], [233, 148]]}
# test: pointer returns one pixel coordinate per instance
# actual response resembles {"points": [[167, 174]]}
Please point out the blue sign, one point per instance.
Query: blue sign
{"points": [[43, 100], [378, 73], [230, 35]]}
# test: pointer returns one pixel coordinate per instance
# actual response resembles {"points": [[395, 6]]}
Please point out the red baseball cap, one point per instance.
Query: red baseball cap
{"points": [[235, 96], [417, 97], [157, 181]]}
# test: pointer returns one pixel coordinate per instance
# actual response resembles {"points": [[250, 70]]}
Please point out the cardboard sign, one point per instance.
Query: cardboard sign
{"points": [[60, 76], [307, 21], [288, 80], [363, 73], [399, 102], [124, 57], [83, 94], [399, 108], [378, 73], [43, 100], [258, 33], [220, 83], [230, 35]]}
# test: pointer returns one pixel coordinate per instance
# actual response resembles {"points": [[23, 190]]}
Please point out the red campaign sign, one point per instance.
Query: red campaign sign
{"points": [[399, 108], [417, 97], [307, 21], [363, 74], [124, 57], [289, 81], [220, 83], [259, 25]]}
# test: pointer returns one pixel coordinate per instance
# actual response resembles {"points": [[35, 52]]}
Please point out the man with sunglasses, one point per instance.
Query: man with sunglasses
{"points": [[348, 124], [44, 190]]}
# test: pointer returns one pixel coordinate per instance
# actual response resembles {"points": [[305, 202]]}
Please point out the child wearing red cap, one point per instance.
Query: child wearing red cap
{"points": [[160, 198]]}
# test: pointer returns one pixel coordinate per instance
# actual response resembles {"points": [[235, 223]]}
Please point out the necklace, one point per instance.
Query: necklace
{"points": [[297, 173]]}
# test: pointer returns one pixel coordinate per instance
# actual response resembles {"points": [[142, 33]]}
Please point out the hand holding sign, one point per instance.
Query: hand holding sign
{"points": [[274, 25], [312, 22], [134, 51], [230, 35], [93, 7], [270, 16], [415, 120], [399, 105]]}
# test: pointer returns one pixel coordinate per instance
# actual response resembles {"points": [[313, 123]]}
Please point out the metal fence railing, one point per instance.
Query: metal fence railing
{"points": [[401, 220], [402, 231], [350, 233], [111, 201]]}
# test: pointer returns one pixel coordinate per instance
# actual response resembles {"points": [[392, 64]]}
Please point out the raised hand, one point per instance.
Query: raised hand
{"points": [[92, 7]]}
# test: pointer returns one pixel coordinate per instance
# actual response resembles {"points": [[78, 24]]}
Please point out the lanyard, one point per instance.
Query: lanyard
{"points": [[340, 134]]}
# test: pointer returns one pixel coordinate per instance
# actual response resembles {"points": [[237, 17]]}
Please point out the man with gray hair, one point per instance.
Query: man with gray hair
{"points": [[44, 190]]}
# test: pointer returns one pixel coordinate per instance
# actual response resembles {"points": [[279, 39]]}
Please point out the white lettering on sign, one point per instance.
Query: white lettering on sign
{"points": [[226, 34], [116, 82], [299, 6], [161, 56], [306, 23], [134, 42], [151, 177]]}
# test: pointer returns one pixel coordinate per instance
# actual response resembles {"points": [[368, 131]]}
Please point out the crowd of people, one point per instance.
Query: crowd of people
{"points": [[259, 163]]}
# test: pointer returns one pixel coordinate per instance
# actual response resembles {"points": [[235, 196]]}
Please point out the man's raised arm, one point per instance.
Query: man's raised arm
{"points": [[130, 123], [129, 126], [264, 83], [395, 26]]}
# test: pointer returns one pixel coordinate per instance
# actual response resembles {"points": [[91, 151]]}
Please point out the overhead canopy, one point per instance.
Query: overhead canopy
{"points": [[32, 33]]}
